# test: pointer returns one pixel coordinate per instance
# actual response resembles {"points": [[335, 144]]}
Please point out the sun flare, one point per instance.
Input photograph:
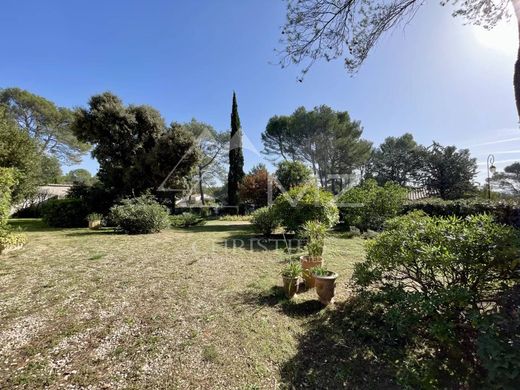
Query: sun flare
{"points": [[503, 38]]}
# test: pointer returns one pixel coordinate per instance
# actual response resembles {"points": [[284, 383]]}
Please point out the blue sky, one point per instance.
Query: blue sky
{"points": [[437, 79]]}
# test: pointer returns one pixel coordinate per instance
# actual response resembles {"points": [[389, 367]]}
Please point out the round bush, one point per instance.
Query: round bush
{"points": [[305, 203], [140, 215], [368, 206], [67, 213], [264, 221], [186, 220]]}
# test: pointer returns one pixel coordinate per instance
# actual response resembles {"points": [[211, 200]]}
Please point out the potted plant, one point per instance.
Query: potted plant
{"points": [[325, 284], [314, 232], [94, 220], [290, 275]]}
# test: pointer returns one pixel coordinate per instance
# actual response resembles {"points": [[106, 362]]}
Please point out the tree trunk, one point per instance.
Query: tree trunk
{"points": [[200, 188], [516, 78]]}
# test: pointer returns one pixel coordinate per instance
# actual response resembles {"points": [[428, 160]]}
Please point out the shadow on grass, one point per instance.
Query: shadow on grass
{"points": [[213, 228], [275, 297], [346, 347], [99, 232], [30, 225]]}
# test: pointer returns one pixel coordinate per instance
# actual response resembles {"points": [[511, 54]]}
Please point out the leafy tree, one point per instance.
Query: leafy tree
{"points": [[326, 139], [20, 152], [213, 157], [236, 157], [79, 176], [509, 180], [50, 172], [46, 123], [135, 150], [448, 171], [397, 159], [278, 139], [317, 30], [291, 174], [254, 187]]}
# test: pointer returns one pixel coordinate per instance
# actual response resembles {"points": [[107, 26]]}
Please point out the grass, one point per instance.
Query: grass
{"points": [[194, 308]]}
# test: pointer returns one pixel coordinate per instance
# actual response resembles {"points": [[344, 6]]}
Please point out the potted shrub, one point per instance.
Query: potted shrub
{"points": [[314, 232], [325, 284], [290, 275], [94, 220]]}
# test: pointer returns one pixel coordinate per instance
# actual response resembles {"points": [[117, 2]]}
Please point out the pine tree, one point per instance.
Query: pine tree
{"points": [[236, 158]]}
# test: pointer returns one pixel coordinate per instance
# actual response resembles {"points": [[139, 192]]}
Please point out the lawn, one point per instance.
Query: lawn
{"points": [[195, 308]]}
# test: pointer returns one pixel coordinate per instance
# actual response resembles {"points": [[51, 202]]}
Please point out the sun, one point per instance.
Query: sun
{"points": [[502, 38]]}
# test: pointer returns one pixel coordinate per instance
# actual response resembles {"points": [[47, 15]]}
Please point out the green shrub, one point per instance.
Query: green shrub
{"points": [[10, 239], [292, 270], [503, 211], [305, 203], [235, 218], [93, 217], [186, 220], [65, 213], [7, 182], [140, 215], [314, 232], [368, 206], [434, 276], [264, 221]]}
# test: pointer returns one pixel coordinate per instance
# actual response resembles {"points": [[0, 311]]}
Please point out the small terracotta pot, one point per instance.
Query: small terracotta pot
{"points": [[94, 224], [290, 286], [325, 285], [309, 262]]}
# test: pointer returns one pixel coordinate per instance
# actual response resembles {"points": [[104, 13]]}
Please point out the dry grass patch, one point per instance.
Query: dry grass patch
{"points": [[179, 309]]}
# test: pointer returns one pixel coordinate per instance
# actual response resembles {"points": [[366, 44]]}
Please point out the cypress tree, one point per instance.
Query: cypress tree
{"points": [[236, 157]]}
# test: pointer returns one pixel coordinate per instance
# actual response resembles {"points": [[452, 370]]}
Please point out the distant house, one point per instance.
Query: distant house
{"points": [[43, 193], [194, 200]]}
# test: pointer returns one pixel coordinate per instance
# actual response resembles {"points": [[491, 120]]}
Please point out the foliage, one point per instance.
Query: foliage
{"points": [[254, 187], [292, 174], [47, 124], [368, 206], [135, 150], [321, 271], [10, 239], [213, 157], [50, 172], [237, 218], [330, 141], [236, 157], [435, 275], [18, 150], [81, 176], [397, 160], [65, 213], [96, 197], [264, 220], [92, 217], [141, 215], [7, 182], [292, 270], [186, 220], [448, 171], [503, 211], [305, 203], [315, 233]]}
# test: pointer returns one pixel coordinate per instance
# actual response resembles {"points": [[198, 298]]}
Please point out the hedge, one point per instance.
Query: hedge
{"points": [[66, 213], [503, 211]]}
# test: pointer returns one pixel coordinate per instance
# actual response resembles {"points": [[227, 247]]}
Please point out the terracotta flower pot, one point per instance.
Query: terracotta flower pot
{"points": [[309, 262], [325, 285], [94, 224], [290, 286]]}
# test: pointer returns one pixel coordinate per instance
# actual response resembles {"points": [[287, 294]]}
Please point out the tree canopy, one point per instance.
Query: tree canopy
{"points": [[236, 157], [135, 149], [349, 29], [397, 159], [46, 123], [329, 141]]}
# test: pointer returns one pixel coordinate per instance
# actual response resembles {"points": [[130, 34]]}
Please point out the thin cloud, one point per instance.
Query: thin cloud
{"points": [[496, 142]]}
